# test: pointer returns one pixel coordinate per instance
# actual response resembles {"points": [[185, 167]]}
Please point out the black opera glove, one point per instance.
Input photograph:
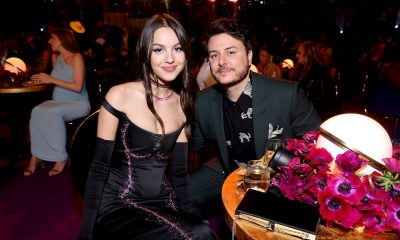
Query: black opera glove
{"points": [[180, 174], [95, 185]]}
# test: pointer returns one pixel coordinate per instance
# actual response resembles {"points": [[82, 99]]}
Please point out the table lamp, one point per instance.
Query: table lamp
{"points": [[14, 65], [359, 133]]}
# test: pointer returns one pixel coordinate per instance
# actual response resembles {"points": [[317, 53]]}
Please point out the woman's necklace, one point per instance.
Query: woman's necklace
{"points": [[158, 84], [163, 98]]}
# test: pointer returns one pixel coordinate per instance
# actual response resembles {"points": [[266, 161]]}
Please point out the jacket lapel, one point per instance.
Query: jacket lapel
{"points": [[216, 113]]}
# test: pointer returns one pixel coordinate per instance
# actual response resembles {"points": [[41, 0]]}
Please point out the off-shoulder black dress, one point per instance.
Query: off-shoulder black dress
{"points": [[131, 195]]}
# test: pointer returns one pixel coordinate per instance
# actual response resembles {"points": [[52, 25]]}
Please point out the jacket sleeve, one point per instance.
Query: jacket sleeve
{"points": [[304, 117], [180, 174], [94, 187]]}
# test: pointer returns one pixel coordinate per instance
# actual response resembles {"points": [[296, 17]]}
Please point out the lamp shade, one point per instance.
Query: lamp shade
{"points": [[287, 63], [253, 68], [77, 26], [14, 65], [358, 133]]}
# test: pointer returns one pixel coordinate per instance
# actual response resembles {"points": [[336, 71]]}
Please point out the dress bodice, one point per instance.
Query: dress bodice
{"points": [[139, 162]]}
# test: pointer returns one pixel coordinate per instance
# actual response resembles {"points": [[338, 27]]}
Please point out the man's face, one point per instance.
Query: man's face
{"points": [[228, 59]]}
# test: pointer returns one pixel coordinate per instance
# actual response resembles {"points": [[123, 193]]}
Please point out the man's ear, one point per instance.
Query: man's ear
{"points": [[250, 56]]}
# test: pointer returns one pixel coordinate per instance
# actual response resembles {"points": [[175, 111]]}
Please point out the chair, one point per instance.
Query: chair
{"points": [[82, 149]]}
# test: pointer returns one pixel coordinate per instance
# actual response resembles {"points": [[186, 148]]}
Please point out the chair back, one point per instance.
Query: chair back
{"points": [[82, 149]]}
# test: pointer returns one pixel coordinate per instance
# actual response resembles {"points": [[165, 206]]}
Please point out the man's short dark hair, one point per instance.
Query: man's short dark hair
{"points": [[231, 27]]}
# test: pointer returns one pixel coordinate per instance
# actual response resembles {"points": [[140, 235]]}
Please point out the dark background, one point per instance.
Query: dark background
{"points": [[305, 16]]}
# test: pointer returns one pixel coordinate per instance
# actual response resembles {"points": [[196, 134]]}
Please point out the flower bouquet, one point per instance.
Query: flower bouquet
{"points": [[347, 198]]}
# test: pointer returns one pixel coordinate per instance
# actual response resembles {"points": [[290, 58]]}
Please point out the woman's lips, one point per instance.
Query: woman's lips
{"points": [[169, 68]]}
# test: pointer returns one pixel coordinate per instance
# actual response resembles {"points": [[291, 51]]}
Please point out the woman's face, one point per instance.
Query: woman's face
{"points": [[300, 54], [167, 57], [263, 56], [54, 42]]}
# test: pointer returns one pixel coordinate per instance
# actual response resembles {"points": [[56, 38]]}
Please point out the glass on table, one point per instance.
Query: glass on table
{"points": [[256, 176]]}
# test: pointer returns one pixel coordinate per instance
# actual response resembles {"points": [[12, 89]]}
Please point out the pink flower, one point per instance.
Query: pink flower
{"points": [[393, 215], [392, 164], [311, 136], [332, 208], [374, 197], [317, 183], [394, 194], [319, 158], [349, 162], [349, 188], [296, 146], [298, 167], [353, 219], [375, 222]]}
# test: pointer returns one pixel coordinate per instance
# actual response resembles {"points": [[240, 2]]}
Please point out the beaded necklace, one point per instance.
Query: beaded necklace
{"points": [[157, 84]]}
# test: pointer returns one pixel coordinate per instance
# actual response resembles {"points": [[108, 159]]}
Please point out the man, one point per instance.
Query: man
{"points": [[236, 117]]}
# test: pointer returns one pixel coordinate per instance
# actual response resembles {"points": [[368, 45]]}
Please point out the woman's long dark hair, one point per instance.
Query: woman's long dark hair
{"points": [[141, 68]]}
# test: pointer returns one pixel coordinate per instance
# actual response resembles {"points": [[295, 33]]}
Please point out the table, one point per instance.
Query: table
{"points": [[15, 107], [245, 230], [28, 89]]}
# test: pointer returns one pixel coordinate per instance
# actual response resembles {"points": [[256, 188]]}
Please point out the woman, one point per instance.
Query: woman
{"points": [[70, 101], [265, 64], [314, 78], [143, 130]]}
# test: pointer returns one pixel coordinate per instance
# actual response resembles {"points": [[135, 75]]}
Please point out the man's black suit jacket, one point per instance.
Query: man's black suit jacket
{"points": [[274, 101]]}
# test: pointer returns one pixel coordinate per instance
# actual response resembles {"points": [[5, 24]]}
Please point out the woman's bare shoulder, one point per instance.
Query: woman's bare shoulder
{"points": [[124, 93]]}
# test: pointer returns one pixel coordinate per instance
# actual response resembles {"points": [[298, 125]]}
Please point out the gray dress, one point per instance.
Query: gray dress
{"points": [[47, 122]]}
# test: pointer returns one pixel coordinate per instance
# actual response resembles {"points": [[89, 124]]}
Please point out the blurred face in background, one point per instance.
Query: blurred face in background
{"points": [[263, 56], [54, 42], [300, 54]]}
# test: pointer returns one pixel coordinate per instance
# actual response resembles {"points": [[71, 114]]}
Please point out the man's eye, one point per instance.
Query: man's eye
{"points": [[231, 52], [211, 56]]}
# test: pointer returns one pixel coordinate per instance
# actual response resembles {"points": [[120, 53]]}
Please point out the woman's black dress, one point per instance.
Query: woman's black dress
{"points": [[138, 200]]}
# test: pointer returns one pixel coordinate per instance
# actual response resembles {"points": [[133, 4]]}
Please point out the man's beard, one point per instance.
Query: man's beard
{"points": [[239, 77]]}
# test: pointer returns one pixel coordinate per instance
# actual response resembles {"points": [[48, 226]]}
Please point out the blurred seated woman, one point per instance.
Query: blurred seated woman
{"points": [[69, 101]]}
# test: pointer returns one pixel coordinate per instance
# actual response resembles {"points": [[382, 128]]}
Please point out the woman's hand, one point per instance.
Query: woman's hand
{"points": [[41, 78]]}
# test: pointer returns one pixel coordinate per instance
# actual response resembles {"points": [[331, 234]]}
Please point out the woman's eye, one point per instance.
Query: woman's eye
{"points": [[157, 50], [178, 49]]}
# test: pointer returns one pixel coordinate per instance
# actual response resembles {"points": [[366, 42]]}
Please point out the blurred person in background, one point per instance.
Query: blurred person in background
{"points": [[69, 101], [314, 77], [265, 65]]}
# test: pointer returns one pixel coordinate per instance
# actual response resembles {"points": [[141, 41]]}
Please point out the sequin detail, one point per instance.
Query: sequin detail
{"points": [[156, 217]]}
